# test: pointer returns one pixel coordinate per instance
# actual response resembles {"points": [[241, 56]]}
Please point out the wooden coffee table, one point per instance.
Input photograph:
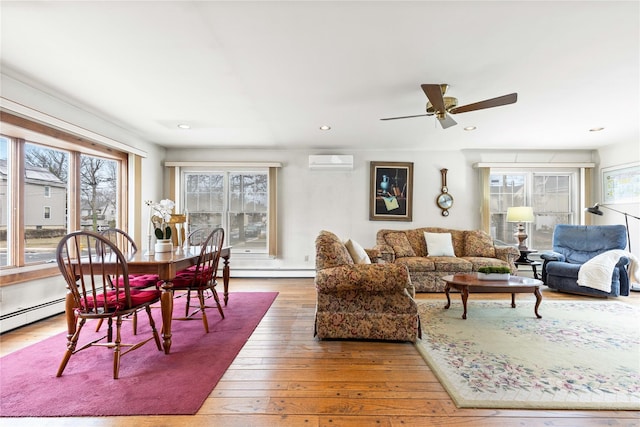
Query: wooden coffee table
{"points": [[469, 283]]}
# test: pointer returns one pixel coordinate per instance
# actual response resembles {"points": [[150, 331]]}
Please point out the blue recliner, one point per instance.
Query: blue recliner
{"points": [[573, 245]]}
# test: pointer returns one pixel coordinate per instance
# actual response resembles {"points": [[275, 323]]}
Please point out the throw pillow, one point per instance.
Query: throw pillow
{"points": [[357, 252], [400, 244], [480, 244], [439, 244]]}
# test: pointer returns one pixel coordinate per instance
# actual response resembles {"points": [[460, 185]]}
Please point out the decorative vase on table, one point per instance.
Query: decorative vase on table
{"points": [[163, 245], [160, 217]]}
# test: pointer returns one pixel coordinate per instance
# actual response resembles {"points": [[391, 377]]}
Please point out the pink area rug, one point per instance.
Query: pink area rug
{"points": [[150, 383]]}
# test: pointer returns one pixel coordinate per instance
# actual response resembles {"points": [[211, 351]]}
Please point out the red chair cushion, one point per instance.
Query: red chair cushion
{"points": [[187, 278], [139, 281], [138, 297]]}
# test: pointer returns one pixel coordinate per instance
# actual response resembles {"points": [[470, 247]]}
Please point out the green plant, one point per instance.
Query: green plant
{"points": [[499, 270], [160, 215]]}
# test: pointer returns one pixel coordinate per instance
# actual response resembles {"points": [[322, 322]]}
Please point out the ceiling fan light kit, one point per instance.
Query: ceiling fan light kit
{"points": [[443, 106]]}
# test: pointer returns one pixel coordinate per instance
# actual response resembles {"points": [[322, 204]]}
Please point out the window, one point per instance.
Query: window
{"points": [[235, 201], [52, 163], [552, 194], [239, 197]]}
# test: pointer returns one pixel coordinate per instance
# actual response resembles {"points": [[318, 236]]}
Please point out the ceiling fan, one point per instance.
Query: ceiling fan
{"points": [[442, 106]]}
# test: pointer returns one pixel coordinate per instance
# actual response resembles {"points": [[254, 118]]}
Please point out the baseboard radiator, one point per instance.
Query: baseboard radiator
{"points": [[31, 314]]}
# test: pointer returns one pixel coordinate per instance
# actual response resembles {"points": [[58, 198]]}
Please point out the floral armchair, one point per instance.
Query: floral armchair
{"points": [[361, 301]]}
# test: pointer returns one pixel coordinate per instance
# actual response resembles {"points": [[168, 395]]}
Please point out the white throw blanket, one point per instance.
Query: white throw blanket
{"points": [[596, 273]]}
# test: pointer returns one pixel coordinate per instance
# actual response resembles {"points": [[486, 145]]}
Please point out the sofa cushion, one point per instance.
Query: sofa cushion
{"points": [[479, 244], [478, 262], [357, 252], [451, 264], [416, 263], [439, 244], [400, 244]]}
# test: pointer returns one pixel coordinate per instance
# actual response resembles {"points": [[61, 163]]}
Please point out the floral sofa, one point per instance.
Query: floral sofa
{"points": [[470, 250], [361, 301]]}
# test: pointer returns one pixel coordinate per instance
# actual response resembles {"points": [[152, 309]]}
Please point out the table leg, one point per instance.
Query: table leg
{"points": [[535, 272], [538, 295], [166, 304], [446, 292], [513, 300], [464, 294], [225, 279]]}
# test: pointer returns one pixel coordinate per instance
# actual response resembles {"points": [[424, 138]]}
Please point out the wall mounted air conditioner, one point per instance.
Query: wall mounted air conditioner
{"points": [[331, 162]]}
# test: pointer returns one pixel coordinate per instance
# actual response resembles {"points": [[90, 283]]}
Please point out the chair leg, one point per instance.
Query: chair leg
{"points": [[116, 349], [186, 307], [71, 347], [215, 296], [152, 323], [135, 323], [202, 309], [134, 320]]}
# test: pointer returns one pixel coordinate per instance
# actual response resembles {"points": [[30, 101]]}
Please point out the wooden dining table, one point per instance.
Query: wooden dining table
{"points": [[166, 266]]}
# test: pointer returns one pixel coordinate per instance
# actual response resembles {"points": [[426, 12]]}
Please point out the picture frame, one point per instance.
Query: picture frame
{"points": [[621, 184], [391, 191]]}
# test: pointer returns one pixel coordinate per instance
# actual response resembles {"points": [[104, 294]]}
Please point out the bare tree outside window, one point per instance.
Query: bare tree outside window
{"points": [[46, 190], [98, 193]]}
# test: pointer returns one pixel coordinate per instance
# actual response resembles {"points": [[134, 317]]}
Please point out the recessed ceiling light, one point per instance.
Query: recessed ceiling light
{"points": [[596, 129], [325, 127], [184, 126], [470, 128]]}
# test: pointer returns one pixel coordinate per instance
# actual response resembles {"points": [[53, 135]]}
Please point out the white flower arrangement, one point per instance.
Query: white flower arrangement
{"points": [[160, 216]]}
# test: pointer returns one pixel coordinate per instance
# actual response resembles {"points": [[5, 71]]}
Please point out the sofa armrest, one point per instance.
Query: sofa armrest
{"points": [[552, 256], [508, 254], [374, 255], [363, 278], [387, 254]]}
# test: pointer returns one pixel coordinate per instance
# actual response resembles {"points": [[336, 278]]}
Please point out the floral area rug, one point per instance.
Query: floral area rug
{"points": [[580, 355]]}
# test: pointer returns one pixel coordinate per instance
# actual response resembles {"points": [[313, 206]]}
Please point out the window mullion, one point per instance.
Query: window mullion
{"points": [[74, 190], [17, 202]]}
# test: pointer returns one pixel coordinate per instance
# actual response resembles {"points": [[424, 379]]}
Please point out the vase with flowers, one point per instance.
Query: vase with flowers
{"points": [[159, 218]]}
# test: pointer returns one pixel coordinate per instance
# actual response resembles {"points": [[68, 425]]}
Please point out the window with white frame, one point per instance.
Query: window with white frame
{"points": [[236, 200], [47, 191], [553, 194], [47, 212]]}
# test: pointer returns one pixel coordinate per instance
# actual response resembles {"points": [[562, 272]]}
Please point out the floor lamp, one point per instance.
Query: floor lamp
{"points": [[595, 209]]}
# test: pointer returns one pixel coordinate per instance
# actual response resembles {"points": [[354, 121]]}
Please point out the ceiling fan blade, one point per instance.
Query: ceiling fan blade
{"points": [[447, 121], [405, 117], [434, 93], [487, 103]]}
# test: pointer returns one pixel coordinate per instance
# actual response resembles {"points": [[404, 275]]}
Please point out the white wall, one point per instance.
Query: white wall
{"points": [[310, 201], [617, 155]]}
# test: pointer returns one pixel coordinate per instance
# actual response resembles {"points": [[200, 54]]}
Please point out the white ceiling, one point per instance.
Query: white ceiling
{"points": [[269, 74]]}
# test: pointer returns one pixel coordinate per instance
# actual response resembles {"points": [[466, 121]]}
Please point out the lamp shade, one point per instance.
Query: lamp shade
{"points": [[520, 214]]}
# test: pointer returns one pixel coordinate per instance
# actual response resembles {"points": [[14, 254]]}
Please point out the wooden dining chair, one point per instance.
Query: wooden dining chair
{"points": [[200, 279], [97, 277], [125, 243]]}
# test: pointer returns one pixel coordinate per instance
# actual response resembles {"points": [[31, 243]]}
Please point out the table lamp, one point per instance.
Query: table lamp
{"points": [[520, 214]]}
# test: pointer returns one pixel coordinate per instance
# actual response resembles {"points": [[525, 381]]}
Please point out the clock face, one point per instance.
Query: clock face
{"points": [[445, 201]]}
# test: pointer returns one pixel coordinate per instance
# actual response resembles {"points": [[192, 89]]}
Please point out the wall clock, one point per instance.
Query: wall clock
{"points": [[444, 200]]}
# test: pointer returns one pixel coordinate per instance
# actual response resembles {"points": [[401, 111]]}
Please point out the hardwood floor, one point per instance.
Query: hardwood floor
{"points": [[285, 377]]}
